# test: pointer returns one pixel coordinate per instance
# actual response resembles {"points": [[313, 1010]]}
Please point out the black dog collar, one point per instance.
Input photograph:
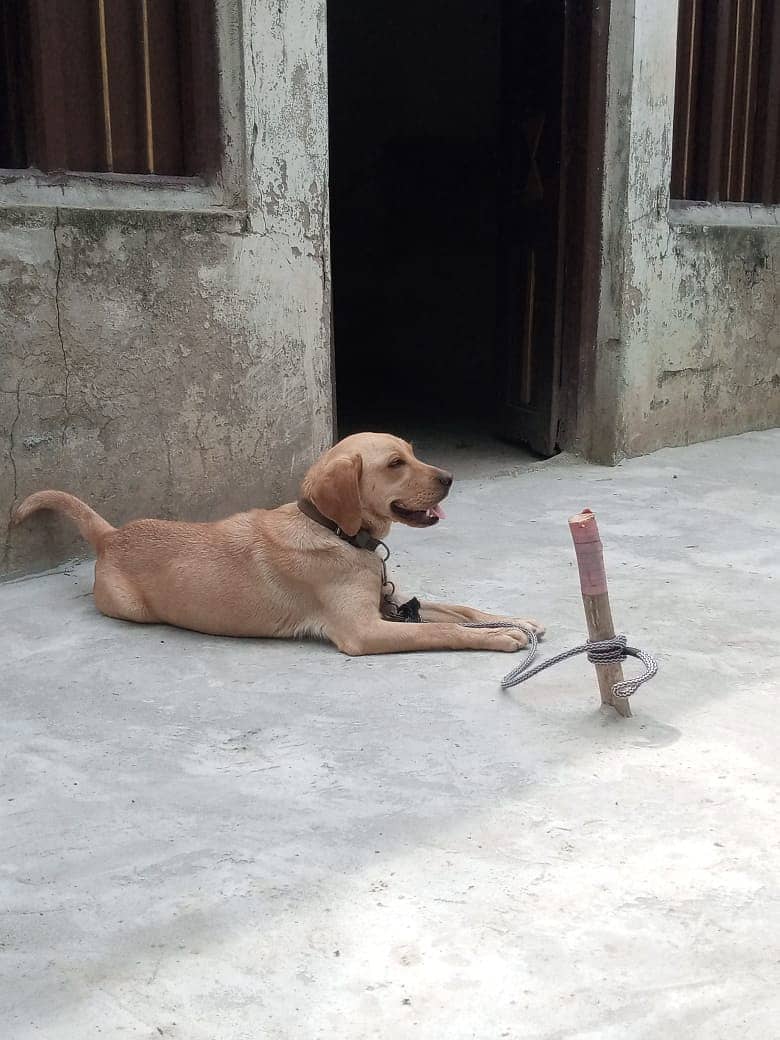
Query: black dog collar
{"points": [[362, 540], [408, 612]]}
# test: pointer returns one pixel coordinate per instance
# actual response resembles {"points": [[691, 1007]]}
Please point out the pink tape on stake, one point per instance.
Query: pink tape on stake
{"points": [[590, 555]]}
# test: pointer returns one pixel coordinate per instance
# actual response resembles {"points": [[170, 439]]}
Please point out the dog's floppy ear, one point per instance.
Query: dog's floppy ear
{"points": [[335, 492]]}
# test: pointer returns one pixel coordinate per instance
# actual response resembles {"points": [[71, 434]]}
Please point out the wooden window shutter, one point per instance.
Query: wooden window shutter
{"points": [[727, 103], [117, 86]]}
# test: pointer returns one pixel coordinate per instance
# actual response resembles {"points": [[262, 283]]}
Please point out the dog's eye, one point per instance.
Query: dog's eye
{"points": [[396, 463]]}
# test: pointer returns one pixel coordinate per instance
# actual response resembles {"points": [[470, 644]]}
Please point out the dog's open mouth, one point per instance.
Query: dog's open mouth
{"points": [[418, 517]]}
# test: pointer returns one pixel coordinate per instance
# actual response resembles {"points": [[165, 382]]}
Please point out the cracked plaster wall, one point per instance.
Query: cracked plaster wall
{"points": [[689, 339], [177, 364]]}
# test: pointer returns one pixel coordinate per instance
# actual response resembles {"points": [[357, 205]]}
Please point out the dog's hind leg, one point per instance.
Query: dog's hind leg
{"points": [[116, 597], [456, 614]]}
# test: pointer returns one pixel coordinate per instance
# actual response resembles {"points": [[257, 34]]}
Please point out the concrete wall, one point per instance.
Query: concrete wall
{"points": [[173, 357], [689, 341]]}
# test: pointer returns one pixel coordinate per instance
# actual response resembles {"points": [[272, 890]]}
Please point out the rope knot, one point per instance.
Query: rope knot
{"points": [[607, 651]]}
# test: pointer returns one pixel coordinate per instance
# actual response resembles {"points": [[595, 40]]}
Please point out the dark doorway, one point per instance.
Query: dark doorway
{"points": [[451, 129]]}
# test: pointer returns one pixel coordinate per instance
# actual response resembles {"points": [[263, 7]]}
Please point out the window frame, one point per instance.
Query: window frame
{"points": [[743, 103], [221, 191], [686, 213]]}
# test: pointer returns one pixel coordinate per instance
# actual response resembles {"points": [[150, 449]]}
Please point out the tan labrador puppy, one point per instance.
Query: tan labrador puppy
{"points": [[304, 569]]}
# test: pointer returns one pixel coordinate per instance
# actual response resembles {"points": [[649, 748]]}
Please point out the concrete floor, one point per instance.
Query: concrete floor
{"points": [[208, 839]]}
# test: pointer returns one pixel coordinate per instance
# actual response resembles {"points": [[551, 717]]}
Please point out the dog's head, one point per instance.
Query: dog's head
{"points": [[372, 480]]}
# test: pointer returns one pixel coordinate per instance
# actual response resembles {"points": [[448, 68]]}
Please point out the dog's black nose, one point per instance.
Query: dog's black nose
{"points": [[445, 478]]}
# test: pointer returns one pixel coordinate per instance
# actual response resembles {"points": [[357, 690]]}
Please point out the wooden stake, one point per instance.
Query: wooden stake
{"points": [[595, 599]]}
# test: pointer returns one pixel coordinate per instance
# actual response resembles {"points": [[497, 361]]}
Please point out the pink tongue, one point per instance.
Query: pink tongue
{"points": [[438, 511]]}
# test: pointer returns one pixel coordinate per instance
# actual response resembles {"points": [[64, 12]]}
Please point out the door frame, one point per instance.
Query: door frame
{"points": [[560, 421], [536, 124], [584, 250], [575, 387]]}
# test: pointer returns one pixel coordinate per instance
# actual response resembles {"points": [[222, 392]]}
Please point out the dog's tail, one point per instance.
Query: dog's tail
{"points": [[91, 525]]}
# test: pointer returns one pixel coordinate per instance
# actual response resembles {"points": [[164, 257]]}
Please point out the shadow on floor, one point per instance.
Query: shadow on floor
{"points": [[467, 448]]}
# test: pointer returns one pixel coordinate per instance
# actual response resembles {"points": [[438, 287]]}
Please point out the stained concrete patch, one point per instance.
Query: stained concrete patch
{"points": [[236, 839]]}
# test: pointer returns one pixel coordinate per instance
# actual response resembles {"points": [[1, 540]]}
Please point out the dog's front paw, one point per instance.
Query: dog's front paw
{"points": [[505, 640], [535, 626]]}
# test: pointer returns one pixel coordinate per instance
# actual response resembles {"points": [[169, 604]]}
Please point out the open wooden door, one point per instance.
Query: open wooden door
{"points": [[532, 205]]}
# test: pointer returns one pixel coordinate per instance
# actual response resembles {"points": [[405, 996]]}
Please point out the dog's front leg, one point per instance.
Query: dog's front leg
{"points": [[455, 614], [360, 636]]}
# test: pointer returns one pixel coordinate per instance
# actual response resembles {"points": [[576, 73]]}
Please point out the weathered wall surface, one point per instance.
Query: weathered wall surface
{"points": [[165, 364], [690, 338]]}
